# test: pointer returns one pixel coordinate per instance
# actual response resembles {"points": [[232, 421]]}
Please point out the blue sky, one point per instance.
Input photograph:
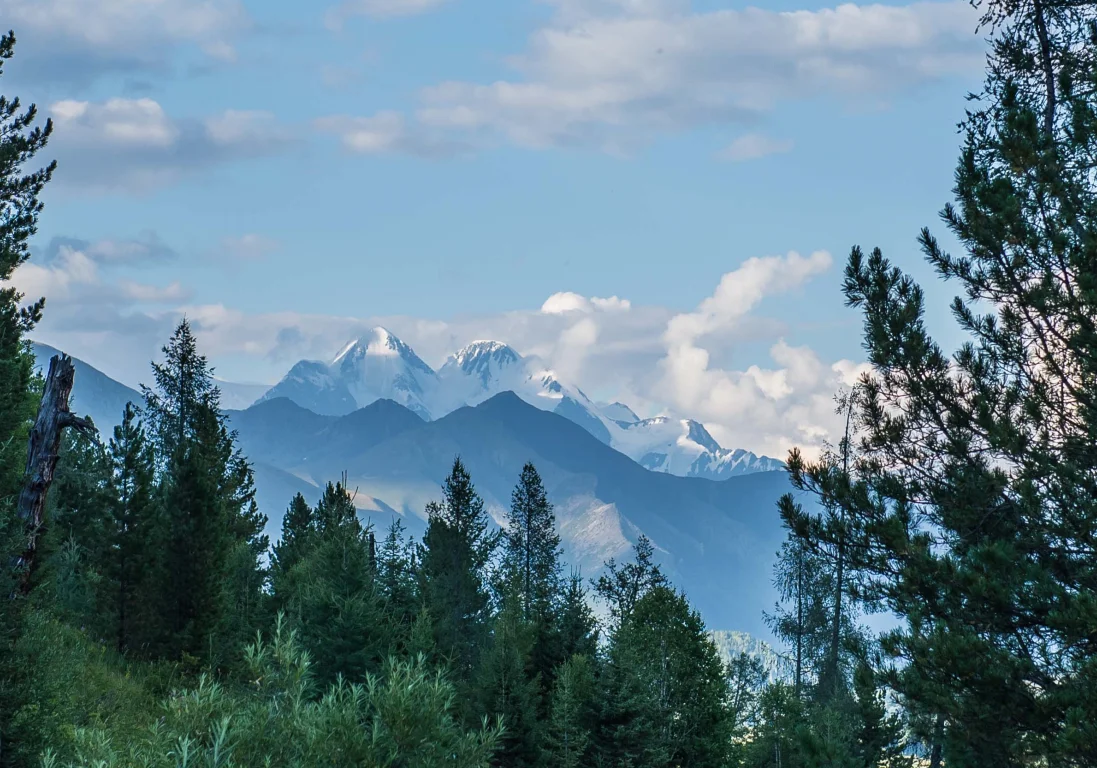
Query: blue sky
{"points": [[288, 173]]}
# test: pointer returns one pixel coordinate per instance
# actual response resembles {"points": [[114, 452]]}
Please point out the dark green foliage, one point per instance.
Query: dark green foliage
{"points": [[457, 548], [396, 582], [531, 570], [971, 502], [133, 531], [211, 529], [508, 686], [671, 688], [576, 625], [299, 534], [622, 586], [401, 719], [20, 141], [572, 714], [332, 598]]}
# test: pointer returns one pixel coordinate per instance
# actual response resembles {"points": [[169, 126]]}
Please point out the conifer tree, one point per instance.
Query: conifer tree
{"points": [[20, 141], [134, 541], [299, 533], [396, 580], [805, 584], [531, 569], [508, 687], [622, 586], [212, 532], [663, 645], [572, 714], [457, 547], [334, 602], [577, 625], [971, 502]]}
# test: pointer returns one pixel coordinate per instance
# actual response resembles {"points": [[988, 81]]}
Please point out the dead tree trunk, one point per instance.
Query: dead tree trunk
{"points": [[45, 441]]}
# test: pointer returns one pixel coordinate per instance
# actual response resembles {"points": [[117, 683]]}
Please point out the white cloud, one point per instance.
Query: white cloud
{"points": [[616, 73], [75, 41], [133, 145], [754, 146], [655, 360], [378, 9], [566, 301]]}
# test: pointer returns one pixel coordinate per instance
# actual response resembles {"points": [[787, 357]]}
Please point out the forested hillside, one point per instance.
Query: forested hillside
{"points": [[147, 619]]}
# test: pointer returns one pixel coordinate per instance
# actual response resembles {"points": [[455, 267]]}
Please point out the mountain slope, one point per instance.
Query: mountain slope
{"points": [[94, 393], [716, 539]]}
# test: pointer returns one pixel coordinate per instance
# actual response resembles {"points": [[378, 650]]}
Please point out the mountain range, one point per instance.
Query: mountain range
{"points": [[715, 539], [381, 366]]}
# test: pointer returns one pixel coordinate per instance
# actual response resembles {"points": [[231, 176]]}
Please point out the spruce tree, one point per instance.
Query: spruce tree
{"points": [[577, 625], [531, 569], [396, 581], [572, 714], [334, 602], [134, 527], [212, 532], [299, 534], [457, 547], [971, 502]]}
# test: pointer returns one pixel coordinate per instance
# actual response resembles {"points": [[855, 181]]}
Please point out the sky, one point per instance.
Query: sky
{"points": [[655, 196]]}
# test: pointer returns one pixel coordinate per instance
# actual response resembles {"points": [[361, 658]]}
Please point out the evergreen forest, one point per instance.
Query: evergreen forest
{"points": [[146, 620]]}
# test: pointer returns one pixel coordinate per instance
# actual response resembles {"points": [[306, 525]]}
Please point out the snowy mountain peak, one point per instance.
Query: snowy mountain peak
{"points": [[484, 360], [696, 432], [379, 343]]}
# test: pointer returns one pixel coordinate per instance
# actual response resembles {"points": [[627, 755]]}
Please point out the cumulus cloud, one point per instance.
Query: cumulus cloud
{"points": [[134, 145], [73, 42], [615, 73], [754, 146], [145, 248], [566, 301]]}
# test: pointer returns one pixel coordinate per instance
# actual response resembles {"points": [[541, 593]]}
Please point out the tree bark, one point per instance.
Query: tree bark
{"points": [[45, 441]]}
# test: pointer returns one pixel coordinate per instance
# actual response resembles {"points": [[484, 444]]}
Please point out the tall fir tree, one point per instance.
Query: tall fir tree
{"points": [[531, 570], [972, 499], [457, 548], [134, 528], [212, 531], [300, 531], [572, 714]]}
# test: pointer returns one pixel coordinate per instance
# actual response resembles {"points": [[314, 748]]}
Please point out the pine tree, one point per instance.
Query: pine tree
{"points": [[531, 569], [19, 209], [457, 548], [972, 498], [805, 584], [132, 465]]}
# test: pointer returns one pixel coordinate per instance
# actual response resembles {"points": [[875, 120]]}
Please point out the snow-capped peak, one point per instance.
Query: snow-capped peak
{"points": [[480, 358]]}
